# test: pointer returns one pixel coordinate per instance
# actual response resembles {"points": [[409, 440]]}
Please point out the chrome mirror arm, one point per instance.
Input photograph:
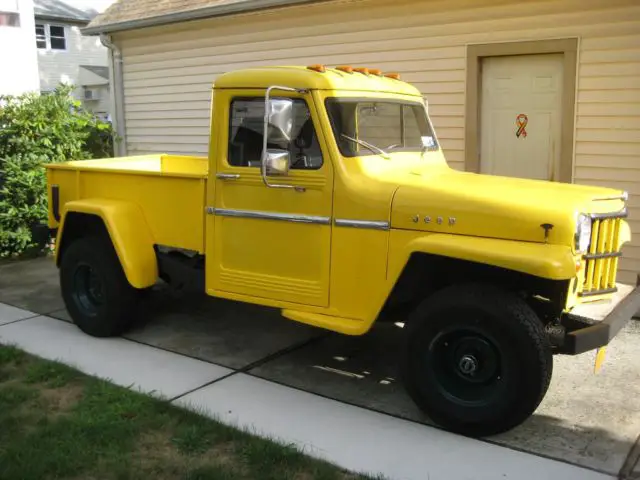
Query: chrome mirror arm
{"points": [[263, 162]]}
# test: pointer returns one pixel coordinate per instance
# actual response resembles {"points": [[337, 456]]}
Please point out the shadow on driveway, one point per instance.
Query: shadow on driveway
{"points": [[585, 419]]}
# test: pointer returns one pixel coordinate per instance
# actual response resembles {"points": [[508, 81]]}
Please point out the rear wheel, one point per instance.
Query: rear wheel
{"points": [[95, 290], [477, 359]]}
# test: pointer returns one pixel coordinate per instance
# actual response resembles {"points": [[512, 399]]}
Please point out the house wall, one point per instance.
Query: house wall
{"points": [[102, 106], [168, 71], [100, 86], [18, 50]]}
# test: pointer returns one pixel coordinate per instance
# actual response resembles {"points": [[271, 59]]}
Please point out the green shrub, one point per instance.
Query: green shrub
{"points": [[35, 130]]}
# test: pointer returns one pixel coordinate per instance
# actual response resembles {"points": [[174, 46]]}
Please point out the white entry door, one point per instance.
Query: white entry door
{"points": [[521, 116]]}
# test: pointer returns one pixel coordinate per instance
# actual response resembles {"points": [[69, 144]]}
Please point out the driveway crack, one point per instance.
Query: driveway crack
{"points": [[257, 363]]}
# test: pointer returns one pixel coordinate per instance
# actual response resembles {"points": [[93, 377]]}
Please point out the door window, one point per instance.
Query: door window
{"points": [[246, 136]]}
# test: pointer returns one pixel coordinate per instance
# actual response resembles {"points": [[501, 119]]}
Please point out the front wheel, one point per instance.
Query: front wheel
{"points": [[95, 290], [477, 359]]}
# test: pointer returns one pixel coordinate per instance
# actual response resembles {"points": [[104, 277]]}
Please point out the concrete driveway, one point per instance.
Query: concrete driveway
{"points": [[588, 420]]}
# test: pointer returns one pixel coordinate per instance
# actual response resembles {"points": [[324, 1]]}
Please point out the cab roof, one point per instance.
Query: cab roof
{"points": [[313, 78]]}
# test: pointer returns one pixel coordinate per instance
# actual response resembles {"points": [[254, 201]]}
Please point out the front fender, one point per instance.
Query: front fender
{"points": [[129, 233], [553, 262]]}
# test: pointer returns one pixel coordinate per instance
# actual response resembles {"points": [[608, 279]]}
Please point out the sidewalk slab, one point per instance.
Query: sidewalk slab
{"points": [[125, 363], [10, 314], [364, 441]]}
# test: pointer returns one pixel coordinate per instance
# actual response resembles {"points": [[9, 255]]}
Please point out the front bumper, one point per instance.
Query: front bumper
{"points": [[590, 326]]}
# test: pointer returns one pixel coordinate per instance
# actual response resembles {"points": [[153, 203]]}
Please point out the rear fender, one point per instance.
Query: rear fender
{"points": [[129, 233]]}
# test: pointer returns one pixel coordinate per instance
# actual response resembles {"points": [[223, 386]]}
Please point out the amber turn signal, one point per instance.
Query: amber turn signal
{"points": [[375, 71], [317, 68], [395, 76], [364, 71], [345, 68]]}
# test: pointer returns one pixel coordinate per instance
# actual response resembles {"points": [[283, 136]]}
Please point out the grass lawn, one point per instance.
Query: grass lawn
{"points": [[56, 422]]}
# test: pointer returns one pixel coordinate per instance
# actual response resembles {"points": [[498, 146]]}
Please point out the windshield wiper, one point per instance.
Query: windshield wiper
{"points": [[368, 145]]}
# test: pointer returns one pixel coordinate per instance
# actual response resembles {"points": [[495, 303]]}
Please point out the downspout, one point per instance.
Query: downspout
{"points": [[117, 96]]}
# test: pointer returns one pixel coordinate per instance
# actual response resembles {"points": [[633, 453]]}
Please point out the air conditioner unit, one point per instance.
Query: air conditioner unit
{"points": [[91, 94]]}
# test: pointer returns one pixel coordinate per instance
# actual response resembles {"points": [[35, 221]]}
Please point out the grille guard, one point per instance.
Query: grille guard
{"points": [[601, 261]]}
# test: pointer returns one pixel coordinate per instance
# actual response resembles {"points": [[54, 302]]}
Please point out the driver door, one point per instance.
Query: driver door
{"points": [[271, 245]]}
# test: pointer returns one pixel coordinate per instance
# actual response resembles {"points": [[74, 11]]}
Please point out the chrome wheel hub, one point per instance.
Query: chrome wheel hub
{"points": [[468, 365]]}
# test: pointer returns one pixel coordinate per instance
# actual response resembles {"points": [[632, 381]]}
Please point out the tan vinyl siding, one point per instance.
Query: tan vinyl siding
{"points": [[168, 71]]}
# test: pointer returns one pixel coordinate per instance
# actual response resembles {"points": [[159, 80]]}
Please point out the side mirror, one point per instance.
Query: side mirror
{"points": [[280, 119], [278, 127], [277, 162]]}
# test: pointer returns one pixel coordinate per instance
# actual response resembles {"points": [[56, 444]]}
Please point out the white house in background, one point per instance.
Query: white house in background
{"points": [[18, 56], [67, 56]]}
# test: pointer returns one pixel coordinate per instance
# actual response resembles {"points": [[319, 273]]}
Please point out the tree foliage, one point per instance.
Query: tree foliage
{"points": [[37, 129]]}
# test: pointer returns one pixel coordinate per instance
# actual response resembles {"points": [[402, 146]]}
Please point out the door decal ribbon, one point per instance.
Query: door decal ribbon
{"points": [[521, 122]]}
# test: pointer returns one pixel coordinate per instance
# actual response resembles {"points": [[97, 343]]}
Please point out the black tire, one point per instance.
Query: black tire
{"points": [[95, 290], [477, 359]]}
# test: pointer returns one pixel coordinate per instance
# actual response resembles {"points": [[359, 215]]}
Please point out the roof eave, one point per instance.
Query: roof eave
{"points": [[198, 14], [54, 18]]}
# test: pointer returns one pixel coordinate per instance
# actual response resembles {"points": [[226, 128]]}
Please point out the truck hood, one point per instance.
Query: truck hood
{"points": [[463, 203]]}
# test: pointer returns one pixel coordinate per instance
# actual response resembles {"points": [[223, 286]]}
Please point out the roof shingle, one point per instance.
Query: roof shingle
{"points": [[129, 14]]}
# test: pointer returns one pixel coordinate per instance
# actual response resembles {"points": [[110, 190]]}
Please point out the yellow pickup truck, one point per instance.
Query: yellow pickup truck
{"points": [[326, 195]]}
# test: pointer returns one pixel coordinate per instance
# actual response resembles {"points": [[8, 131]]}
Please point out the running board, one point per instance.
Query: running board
{"points": [[347, 326]]}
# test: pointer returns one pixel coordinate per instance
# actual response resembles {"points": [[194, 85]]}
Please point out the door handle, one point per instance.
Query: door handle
{"points": [[227, 176]]}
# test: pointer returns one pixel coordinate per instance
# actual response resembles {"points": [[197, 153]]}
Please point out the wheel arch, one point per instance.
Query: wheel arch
{"points": [[124, 224], [429, 264]]}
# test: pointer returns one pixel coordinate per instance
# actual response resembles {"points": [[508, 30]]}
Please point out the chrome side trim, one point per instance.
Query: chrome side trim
{"points": [[374, 225], [285, 217]]}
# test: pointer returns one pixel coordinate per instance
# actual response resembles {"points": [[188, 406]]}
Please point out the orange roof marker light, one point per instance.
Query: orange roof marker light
{"points": [[345, 68], [317, 68], [364, 71], [375, 71], [395, 76]]}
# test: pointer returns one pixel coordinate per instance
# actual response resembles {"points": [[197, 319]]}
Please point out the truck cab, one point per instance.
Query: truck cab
{"points": [[326, 194]]}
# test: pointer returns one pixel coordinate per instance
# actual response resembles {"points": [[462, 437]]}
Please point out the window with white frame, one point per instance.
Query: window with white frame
{"points": [[41, 36], [50, 37]]}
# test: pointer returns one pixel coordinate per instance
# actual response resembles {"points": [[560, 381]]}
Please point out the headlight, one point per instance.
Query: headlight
{"points": [[583, 233]]}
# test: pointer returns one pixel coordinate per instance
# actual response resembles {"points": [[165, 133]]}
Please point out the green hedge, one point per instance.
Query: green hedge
{"points": [[35, 130]]}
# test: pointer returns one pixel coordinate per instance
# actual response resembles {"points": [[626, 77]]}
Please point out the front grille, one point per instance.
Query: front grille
{"points": [[602, 257]]}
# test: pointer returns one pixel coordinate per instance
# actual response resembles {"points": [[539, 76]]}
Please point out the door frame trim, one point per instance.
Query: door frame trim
{"points": [[476, 52]]}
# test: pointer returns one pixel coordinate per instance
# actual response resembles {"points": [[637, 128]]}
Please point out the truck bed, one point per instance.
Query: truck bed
{"points": [[170, 190], [156, 164]]}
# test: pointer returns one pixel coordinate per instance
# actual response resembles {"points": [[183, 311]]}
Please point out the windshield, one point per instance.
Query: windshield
{"points": [[379, 127]]}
